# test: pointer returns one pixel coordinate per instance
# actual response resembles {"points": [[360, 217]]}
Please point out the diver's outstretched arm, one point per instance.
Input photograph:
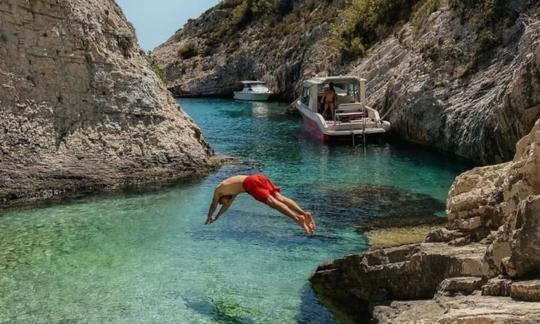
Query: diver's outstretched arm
{"points": [[223, 209], [212, 208]]}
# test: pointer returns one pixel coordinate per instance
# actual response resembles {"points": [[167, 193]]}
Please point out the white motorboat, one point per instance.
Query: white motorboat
{"points": [[253, 91], [351, 115]]}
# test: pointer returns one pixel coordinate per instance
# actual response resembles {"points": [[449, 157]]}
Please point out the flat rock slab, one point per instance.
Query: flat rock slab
{"points": [[396, 236], [526, 290], [459, 309]]}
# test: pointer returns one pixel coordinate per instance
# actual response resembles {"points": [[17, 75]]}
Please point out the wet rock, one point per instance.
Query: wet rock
{"points": [[396, 236], [80, 108]]}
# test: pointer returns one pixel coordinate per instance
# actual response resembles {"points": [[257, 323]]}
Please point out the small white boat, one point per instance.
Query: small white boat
{"points": [[253, 91], [351, 116]]}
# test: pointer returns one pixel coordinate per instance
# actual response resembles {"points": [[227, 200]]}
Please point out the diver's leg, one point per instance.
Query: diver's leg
{"points": [[290, 203], [285, 210], [296, 208]]}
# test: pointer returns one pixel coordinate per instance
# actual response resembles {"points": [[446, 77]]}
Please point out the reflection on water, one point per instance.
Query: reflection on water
{"points": [[147, 258]]}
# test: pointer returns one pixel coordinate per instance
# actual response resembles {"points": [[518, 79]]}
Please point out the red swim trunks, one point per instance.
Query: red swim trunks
{"points": [[260, 187]]}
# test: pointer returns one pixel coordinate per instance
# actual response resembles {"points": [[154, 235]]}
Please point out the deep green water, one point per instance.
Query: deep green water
{"points": [[147, 258]]}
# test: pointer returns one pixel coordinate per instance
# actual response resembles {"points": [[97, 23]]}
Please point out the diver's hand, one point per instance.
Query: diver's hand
{"points": [[210, 220]]}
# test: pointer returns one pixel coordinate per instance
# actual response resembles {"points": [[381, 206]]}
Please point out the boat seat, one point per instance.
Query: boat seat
{"points": [[350, 114], [350, 107]]}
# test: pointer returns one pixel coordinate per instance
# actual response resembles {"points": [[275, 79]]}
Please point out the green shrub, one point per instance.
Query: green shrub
{"points": [[367, 21], [284, 8], [421, 16], [225, 4], [356, 48], [188, 51], [490, 17], [484, 13], [154, 66], [242, 14], [247, 11], [124, 38]]}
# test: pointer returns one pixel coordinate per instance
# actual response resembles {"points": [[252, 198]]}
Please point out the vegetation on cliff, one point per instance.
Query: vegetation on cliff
{"points": [[368, 21]]}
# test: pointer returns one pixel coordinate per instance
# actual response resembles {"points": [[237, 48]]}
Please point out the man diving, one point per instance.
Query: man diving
{"points": [[262, 189]]}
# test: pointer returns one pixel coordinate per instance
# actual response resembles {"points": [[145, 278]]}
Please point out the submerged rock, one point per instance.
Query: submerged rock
{"points": [[370, 206], [80, 108], [396, 236]]}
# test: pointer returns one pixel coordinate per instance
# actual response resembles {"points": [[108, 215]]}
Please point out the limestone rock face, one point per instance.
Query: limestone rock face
{"points": [[80, 109], [448, 79], [503, 203], [423, 80], [490, 247]]}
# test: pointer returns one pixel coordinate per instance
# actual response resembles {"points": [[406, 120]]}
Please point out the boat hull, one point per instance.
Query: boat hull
{"points": [[316, 127], [238, 95]]}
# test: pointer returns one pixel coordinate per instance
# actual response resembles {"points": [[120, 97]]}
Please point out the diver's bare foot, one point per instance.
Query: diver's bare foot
{"points": [[302, 222], [310, 222]]}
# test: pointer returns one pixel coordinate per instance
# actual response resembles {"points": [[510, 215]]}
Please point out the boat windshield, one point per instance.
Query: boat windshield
{"points": [[259, 88], [346, 92]]}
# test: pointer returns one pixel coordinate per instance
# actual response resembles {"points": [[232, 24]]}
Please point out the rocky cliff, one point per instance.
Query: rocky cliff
{"points": [[243, 40], [484, 267], [80, 109], [460, 76]]}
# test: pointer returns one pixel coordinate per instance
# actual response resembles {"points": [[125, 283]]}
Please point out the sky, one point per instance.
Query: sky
{"points": [[157, 20]]}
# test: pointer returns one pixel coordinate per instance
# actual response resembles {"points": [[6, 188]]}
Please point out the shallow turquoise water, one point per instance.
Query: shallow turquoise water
{"points": [[147, 258]]}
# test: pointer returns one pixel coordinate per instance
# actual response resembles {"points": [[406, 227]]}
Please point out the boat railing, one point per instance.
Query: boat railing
{"points": [[358, 111], [374, 114]]}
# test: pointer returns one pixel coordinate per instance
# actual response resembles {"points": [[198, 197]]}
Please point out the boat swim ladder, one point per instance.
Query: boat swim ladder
{"points": [[363, 101], [364, 111]]}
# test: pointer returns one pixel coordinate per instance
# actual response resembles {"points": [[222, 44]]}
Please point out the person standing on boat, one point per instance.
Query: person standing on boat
{"points": [[262, 189], [328, 101]]}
